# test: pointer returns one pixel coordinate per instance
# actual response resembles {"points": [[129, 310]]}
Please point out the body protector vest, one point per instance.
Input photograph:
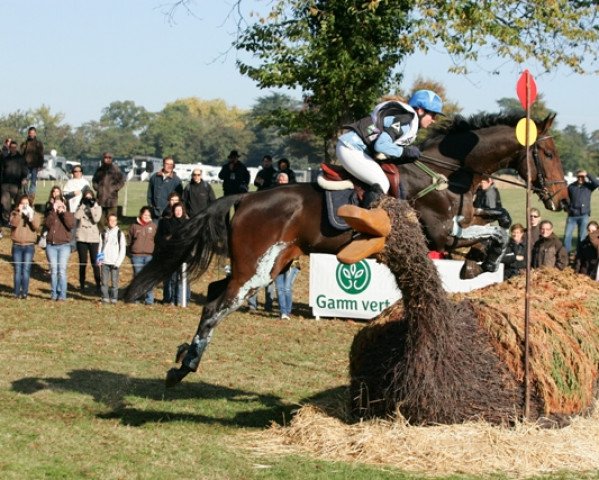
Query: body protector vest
{"points": [[369, 128]]}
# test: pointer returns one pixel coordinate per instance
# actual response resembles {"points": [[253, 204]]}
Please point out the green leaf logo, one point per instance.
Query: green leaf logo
{"points": [[353, 279]]}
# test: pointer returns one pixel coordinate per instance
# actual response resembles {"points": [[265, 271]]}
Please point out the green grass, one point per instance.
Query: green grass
{"points": [[81, 384]]}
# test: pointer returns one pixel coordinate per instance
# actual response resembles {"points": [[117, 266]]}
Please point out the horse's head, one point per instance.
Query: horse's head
{"points": [[547, 172]]}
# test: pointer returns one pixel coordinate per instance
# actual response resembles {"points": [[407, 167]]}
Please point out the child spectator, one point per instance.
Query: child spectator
{"points": [[141, 237], [587, 256], [515, 254], [24, 223], [88, 215], [113, 248]]}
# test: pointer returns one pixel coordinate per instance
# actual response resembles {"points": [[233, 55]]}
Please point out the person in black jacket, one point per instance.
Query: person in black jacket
{"points": [[579, 210], [14, 173], [587, 256], [515, 254], [235, 175], [265, 177], [167, 226], [284, 167], [198, 194]]}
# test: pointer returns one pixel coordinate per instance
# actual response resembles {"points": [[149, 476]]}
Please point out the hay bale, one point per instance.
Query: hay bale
{"points": [[442, 361]]}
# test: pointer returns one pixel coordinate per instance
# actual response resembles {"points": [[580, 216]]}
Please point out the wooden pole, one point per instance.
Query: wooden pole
{"points": [[528, 257]]}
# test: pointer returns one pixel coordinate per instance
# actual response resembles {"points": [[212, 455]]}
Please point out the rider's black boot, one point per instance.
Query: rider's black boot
{"points": [[372, 195]]}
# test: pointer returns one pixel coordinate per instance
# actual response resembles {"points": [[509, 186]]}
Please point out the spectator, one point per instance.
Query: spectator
{"points": [[284, 167], [486, 195], [173, 198], [579, 209], [107, 182], [515, 255], [141, 238], [548, 251], [162, 184], [14, 177], [73, 189], [33, 151], [534, 224], [198, 194], [59, 222], [265, 177], [88, 215], [6, 147], [587, 255], [113, 248], [24, 223], [55, 194], [235, 175], [172, 290], [284, 283]]}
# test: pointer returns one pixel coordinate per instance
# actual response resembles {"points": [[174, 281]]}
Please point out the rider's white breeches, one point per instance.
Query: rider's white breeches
{"points": [[361, 166]]}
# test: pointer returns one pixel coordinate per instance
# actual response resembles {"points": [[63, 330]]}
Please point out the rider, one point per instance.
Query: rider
{"points": [[386, 133]]}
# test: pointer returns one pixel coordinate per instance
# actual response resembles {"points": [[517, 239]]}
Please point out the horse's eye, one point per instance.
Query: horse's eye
{"points": [[548, 154]]}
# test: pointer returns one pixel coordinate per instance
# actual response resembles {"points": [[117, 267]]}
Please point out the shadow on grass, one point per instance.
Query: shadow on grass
{"points": [[111, 389]]}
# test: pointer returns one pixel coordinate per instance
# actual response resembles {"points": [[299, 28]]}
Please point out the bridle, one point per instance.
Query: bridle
{"points": [[541, 180]]}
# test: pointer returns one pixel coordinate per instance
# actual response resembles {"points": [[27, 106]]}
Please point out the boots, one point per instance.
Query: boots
{"points": [[372, 195]]}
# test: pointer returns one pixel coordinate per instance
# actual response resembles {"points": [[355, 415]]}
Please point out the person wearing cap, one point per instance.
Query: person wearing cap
{"points": [[579, 209], [33, 151], [107, 181], [387, 133], [235, 175]]}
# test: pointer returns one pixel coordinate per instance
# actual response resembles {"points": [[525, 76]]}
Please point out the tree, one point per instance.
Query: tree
{"points": [[344, 54], [194, 130], [538, 109], [273, 136], [126, 116]]}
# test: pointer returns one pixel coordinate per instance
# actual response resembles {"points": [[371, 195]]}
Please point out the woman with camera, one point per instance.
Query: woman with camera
{"points": [[88, 214], [24, 223], [59, 223]]}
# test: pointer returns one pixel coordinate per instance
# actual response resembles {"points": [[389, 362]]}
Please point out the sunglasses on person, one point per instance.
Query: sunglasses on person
{"points": [[534, 216]]}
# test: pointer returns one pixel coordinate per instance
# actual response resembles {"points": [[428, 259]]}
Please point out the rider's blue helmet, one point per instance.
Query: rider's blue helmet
{"points": [[427, 100]]}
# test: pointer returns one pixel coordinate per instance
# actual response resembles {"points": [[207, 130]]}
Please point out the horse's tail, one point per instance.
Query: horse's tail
{"points": [[196, 242]]}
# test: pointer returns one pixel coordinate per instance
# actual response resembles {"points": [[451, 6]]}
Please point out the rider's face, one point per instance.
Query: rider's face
{"points": [[426, 119]]}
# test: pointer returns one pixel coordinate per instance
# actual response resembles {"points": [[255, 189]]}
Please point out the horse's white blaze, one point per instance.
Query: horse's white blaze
{"points": [[263, 268]]}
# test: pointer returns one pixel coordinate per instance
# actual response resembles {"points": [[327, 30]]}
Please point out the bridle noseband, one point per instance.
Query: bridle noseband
{"points": [[541, 181]]}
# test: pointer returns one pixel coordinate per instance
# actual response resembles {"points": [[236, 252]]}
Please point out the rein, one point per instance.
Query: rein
{"points": [[541, 178]]}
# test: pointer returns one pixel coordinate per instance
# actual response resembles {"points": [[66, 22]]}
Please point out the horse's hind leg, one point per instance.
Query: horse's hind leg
{"points": [[223, 299]]}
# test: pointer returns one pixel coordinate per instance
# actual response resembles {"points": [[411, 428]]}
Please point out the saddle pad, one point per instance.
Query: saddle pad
{"points": [[333, 200]]}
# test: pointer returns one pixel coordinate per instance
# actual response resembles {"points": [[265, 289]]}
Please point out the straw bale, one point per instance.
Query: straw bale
{"points": [[472, 448], [441, 360]]}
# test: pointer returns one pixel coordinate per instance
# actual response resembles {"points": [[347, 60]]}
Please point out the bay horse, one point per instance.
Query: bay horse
{"points": [[271, 228]]}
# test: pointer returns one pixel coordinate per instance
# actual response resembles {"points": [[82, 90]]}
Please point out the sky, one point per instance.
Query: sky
{"points": [[78, 56]]}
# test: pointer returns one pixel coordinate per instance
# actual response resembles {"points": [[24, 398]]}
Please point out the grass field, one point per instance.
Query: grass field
{"points": [[81, 384]]}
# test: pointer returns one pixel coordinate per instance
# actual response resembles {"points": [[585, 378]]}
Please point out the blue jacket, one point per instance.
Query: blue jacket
{"points": [[159, 188], [580, 196]]}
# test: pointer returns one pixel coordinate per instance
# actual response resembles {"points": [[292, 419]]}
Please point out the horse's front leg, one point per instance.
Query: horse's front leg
{"points": [[496, 235], [218, 307]]}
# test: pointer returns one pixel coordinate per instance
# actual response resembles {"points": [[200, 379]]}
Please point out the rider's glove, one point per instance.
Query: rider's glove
{"points": [[410, 153]]}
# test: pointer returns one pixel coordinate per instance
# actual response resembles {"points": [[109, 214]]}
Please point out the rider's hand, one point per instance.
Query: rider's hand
{"points": [[410, 153]]}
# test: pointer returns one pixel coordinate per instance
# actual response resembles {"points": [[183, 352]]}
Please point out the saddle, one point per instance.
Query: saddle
{"points": [[335, 177]]}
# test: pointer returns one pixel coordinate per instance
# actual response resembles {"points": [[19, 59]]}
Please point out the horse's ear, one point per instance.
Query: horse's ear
{"points": [[546, 124]]}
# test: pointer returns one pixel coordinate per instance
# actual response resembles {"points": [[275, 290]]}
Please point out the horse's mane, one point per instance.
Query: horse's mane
{"points": [[461, 124]]}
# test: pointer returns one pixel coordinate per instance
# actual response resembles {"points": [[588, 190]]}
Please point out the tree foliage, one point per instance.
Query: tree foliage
{"points": [[343, 54]]}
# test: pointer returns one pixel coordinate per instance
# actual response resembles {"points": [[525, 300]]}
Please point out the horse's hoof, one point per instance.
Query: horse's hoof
{"points": [[174, 377], [181, 352], [470, 270], [490, 267]]}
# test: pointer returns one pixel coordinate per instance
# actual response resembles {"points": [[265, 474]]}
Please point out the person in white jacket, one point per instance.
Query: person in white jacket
{"points": [[113, 248], [74, 188]]}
